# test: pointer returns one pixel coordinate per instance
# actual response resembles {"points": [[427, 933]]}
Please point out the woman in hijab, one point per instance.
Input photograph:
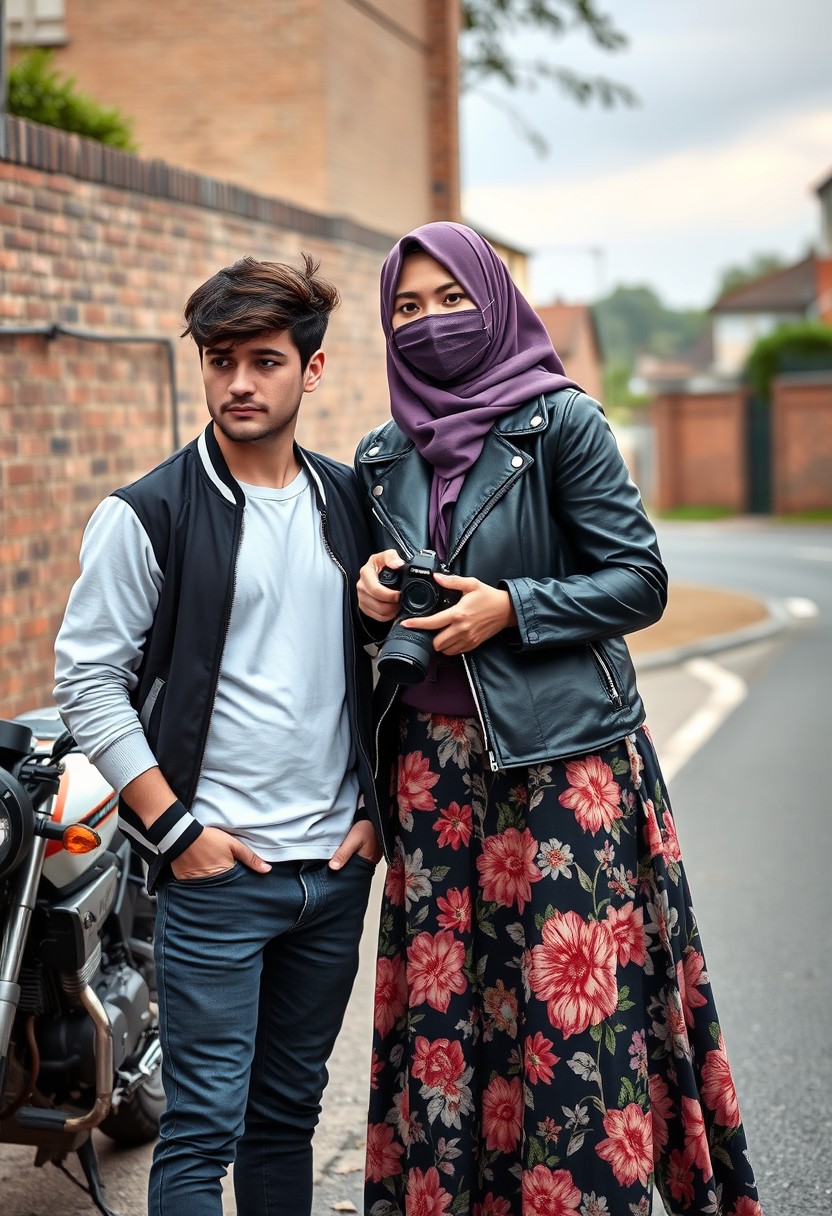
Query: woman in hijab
{"points": [[546, 1040]]}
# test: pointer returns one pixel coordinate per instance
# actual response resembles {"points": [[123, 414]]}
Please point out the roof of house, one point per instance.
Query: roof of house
{"points": [[790, 289], [563, 323]]}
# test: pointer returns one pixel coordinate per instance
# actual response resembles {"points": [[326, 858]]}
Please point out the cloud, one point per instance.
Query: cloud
{"points": [[748, 191]]}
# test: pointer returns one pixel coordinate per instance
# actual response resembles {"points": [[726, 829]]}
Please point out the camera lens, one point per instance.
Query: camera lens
{"points": [[405, 655], [419, 597]]}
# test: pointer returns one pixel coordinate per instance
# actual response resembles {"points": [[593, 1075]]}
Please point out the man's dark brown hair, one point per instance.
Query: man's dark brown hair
{"points": [[250, 298]]}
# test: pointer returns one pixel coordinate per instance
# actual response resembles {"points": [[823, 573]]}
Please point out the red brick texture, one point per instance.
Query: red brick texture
{"points": [[330, 104], [80, 418], [801, 443], [701, 450]]}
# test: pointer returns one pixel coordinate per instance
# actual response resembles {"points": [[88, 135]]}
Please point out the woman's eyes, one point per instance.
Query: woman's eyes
{"points": [[409, 308]]}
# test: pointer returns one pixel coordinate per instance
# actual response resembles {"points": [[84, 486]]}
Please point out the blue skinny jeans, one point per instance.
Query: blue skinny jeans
{"points": [[254, 972]]}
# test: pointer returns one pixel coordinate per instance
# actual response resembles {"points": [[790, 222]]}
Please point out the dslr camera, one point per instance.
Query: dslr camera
{"points": [[406, 653]]}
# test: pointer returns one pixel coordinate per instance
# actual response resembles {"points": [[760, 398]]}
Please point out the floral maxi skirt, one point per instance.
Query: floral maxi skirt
{"points": [[545, 1040]]}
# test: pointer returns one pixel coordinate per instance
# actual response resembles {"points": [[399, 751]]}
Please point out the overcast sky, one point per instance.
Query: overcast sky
{"points": [[718, 162]]}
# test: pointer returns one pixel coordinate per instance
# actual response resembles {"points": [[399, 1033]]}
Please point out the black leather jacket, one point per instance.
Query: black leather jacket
{"points": [[549, 513]]}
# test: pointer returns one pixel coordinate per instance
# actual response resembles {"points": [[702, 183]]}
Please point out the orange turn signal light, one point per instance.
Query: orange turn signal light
{"points": [[80, 839]]}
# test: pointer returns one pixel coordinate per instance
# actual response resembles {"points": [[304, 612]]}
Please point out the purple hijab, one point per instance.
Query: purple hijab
{"points": [[449, 424]]}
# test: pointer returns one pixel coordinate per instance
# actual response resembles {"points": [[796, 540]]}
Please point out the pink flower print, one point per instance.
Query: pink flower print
{"points": [[539, 1058], [455, 910], [718, 1092], [661, 1111], [680, 1177], [434, 969], [425, 1194], [415, 781], [627, 927], [391, 993], [549, 1192], [502, 1105], [507, 868], [573, 970], [594, 794], [697, 1151], [454, 825], [672, 849], [383, 1153], [690, 976], [629, 1145]]}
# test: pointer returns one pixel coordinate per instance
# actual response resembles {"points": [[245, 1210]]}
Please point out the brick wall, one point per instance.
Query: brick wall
{"points": [[347, 107], [701, 450], [79, 418], [802, 443]]}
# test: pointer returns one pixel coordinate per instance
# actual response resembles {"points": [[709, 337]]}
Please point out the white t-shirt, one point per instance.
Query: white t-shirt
{"points": [[279, 766]]}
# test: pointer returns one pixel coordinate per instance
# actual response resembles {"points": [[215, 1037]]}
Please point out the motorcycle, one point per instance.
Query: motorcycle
{"points": [[79, 1039]]}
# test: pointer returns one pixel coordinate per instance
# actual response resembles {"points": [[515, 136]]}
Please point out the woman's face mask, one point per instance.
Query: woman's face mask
{"points": [[444, 346]]}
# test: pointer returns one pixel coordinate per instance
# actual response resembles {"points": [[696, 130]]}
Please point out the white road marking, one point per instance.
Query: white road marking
{"points": [[727, 692], [802, 608], [814, 553]]}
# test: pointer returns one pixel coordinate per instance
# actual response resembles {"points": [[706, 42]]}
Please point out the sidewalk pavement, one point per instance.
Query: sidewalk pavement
{"points": [[698, 620]]}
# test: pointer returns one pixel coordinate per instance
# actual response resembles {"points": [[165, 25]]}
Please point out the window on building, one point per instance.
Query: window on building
{"points": [[36, 22]]}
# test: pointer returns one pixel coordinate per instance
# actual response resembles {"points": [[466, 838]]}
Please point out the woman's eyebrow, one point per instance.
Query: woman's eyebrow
{"points": [[407, 295]]}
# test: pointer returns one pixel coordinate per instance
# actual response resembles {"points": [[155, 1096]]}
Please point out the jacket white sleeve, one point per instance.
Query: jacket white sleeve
{"points": [[98, 650]]}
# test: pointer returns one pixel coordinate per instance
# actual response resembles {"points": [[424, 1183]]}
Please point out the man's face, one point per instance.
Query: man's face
{"points": [[254, 388]]}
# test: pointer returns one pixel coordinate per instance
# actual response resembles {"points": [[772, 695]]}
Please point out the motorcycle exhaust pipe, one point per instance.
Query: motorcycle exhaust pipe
{"points": [[50, 1119]]}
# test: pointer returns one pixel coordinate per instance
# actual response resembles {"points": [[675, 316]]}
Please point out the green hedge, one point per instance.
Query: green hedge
{"points": [[804, 346], [40, 93]]}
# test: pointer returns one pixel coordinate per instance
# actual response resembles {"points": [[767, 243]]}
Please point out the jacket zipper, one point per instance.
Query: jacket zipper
{"points": [[609, 680], [492, 759], [474, 524], [330, 551], [397, 536]]}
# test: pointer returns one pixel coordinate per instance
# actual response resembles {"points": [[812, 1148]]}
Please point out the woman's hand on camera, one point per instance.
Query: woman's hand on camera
{"points": [[376, 601], [481, 612]]}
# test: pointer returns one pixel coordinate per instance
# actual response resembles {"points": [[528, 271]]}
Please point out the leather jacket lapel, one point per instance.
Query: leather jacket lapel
{"points": [[401, 478]]}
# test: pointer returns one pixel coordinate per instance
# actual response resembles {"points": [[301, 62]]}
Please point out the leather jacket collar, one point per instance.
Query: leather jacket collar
{"points": [[401, 487]]}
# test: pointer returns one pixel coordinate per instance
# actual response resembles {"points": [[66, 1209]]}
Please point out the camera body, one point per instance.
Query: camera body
{"points": [[405, 654]]}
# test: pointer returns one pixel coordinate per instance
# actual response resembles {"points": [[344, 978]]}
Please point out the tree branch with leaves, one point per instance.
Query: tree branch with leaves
{"points": [[487, 27]]}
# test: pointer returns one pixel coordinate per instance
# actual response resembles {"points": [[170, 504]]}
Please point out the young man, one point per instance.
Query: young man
{"points": [[208, 665]]}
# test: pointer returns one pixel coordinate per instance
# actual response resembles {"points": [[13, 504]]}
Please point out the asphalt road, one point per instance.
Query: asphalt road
{"points": [[755, 824]]}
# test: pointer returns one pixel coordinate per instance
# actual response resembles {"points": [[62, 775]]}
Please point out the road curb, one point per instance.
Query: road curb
{"points": [[779, 619]]}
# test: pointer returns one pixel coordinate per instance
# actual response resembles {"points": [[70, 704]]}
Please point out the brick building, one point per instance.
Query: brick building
{"points": [[574, 336], [346, 107]]}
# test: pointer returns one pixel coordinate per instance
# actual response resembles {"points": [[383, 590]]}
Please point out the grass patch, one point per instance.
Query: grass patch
{"points": [[820, 515]]}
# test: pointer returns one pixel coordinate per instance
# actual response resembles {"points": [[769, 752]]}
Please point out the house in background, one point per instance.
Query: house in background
{"points": [[744, 314], [574, 336], [717, 445], [747, 313]]}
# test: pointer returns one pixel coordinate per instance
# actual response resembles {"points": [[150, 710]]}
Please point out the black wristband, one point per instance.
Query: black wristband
{"points": [[174, 831]]}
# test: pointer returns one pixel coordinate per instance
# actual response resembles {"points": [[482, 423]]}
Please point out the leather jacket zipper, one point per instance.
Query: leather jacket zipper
{"points": [[397, 536], [606, 672], [492, 759]]}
